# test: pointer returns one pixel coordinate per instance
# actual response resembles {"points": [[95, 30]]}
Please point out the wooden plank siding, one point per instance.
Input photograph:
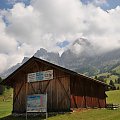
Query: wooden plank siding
{"points": [[85, 93], [58, 89], [19, 94]]}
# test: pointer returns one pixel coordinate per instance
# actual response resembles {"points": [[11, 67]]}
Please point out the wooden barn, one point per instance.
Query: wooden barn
{"points": [[66, 90]]}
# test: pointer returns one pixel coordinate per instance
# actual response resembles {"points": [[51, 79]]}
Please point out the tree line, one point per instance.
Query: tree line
{"points": [[111, 83], [2, 87]]}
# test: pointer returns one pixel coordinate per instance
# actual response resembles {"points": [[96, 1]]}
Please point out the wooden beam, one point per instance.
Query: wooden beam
{"points": [[63, 98], [85, 93], [74, 101], [32, 87], [37, 66], [46, 86], [64, 88], [18, 92]]}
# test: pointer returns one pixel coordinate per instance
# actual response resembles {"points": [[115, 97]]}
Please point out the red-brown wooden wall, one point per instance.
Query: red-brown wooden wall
{"points": [[86, 93]]}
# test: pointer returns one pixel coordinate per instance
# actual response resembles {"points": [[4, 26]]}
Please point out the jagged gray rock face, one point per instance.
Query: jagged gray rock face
{"points": [[87, 61], [72, 59], [49, 56]]}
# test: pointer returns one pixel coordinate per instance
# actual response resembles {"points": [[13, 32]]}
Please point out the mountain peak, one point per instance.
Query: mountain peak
{"points": [[40, 52], [82, 42]]}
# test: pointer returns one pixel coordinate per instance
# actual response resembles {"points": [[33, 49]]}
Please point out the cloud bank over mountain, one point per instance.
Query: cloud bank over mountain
{"points": [[47, 23]]}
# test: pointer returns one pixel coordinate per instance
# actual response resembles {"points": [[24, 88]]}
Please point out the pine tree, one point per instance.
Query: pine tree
{"points": [[118, 88], [2, 88], [112, 84], [119, 80]]}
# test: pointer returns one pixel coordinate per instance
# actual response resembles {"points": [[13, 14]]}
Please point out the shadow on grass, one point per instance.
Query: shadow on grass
{"points": [[38, 117], [10, 117]]}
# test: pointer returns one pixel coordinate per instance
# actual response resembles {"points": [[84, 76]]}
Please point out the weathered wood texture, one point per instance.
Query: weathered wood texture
{"points": [[19, 96], [66, 90], [58, 89], [86, 93]]}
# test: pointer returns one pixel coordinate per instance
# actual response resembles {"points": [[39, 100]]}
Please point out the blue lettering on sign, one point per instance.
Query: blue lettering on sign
{"points": [[39, 76], [33, 97]]}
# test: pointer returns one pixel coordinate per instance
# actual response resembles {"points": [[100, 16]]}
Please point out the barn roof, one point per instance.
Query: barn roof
{"points": [[7, 80]]}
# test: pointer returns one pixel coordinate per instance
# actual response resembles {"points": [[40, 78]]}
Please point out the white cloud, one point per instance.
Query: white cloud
{"points": [[3, 62], [44, 23], [7, 61], [7, 44], [8, 49]]}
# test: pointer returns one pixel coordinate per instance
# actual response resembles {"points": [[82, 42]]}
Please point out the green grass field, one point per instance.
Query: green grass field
{"points": [[85, 114], [6, 103], [113, 96], [95, 114]]}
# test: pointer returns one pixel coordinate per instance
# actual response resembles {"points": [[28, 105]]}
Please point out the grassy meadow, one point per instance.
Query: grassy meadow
{"points": [[6, 103], [85, 114], [113, 96]]}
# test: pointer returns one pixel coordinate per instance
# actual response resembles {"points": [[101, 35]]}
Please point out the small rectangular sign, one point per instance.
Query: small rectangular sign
{"points": [[37, 103], [39, 76]]}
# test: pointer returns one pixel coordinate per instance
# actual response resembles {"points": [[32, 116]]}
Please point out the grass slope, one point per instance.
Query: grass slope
{"points": [[6, 103], [92, 114], [113, 96]]}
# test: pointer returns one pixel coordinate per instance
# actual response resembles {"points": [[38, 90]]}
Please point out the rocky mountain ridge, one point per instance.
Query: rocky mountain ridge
{"points": [[86, 61]]}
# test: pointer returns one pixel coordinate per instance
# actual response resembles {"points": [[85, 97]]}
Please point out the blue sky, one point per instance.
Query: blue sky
{"points": [[63, 44], [5, 4], [110, 4]]}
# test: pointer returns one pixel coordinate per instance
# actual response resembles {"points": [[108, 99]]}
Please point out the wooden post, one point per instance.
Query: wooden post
{"points": [[26, 97], [46, 106]]}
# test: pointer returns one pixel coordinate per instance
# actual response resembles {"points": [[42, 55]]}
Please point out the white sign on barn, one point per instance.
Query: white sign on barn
{"points": [[37, 103], [39, 76]]}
